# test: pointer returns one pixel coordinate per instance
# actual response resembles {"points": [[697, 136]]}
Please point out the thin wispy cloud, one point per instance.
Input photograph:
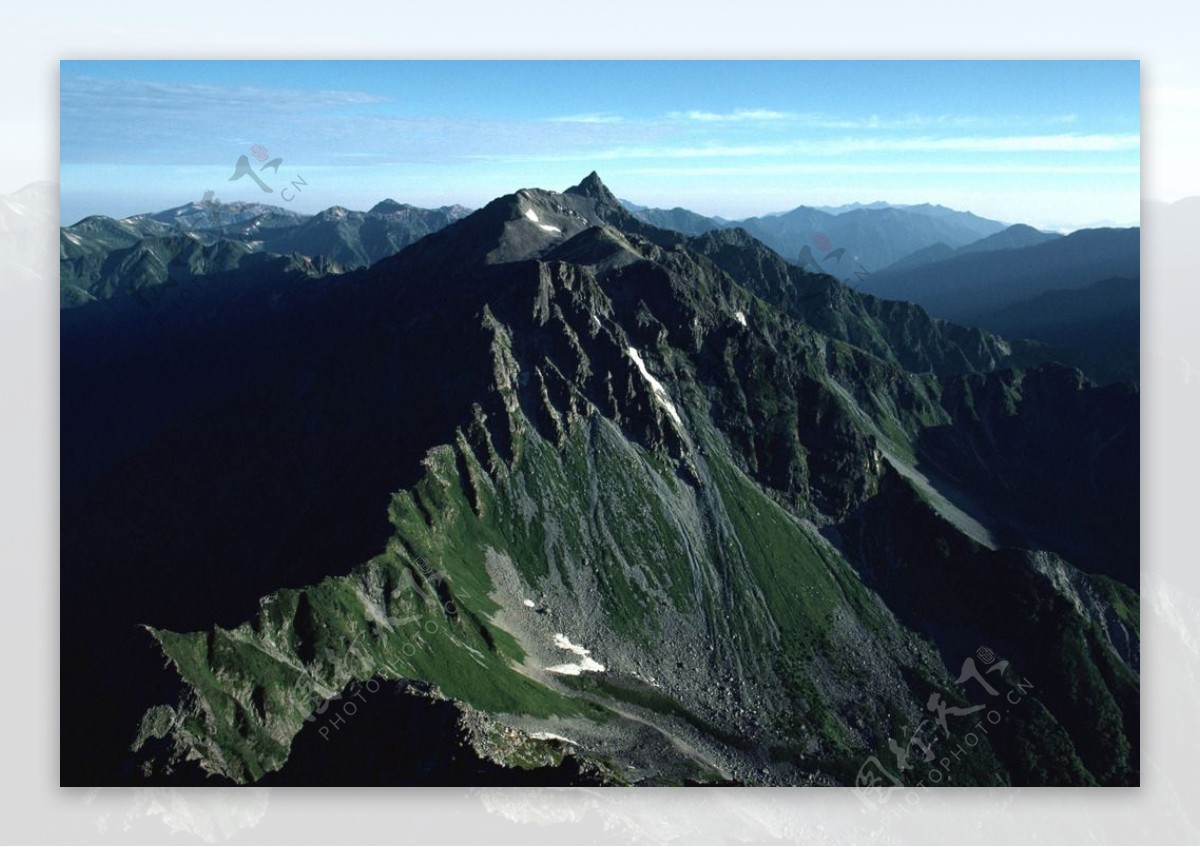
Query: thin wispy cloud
{"points": [[918, 168], [1060, 143], [734, 116], [88, 94], [821, 120], [1063, 143], [921, 121], [587, 119]]}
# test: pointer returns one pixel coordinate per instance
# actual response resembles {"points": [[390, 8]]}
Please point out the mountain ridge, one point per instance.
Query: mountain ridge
{"points": [[685, 458]]}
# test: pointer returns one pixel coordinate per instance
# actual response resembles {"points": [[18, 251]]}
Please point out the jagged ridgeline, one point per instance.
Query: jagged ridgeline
{"points": [[660, 510]]}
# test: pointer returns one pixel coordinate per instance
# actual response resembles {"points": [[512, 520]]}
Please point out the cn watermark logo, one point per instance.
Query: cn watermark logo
{"points": [[244, 168], [332, 709], [917, 762], [808, 260]]}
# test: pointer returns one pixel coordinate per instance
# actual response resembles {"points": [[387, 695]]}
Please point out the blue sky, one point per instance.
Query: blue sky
{"points": [[1054, 144]]}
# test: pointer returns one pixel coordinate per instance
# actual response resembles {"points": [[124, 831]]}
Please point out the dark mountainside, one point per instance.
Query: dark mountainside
{"points": [[895, 331], [1098, 328], [1077, 294], [967, 287], [1017, 235], [558, 497]]}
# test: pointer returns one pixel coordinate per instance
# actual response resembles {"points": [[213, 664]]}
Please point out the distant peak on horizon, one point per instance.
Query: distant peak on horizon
{"points": [[850, 207], [387, 206], [926, 209], [593, 187]]}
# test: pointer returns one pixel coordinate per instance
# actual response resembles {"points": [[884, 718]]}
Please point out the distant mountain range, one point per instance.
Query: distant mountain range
{"points": [[1099, 323], [844, 240], [101, 257], [969, 284], [968, 270], [576, 499], [1078, 293], [1017, 235]]}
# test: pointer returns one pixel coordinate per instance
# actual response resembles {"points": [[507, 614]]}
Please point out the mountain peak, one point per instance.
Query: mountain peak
{"points": [[386, 207], [592, 186]]}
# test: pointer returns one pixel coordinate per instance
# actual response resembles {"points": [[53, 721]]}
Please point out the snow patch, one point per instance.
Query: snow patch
{"points": [[531, 215], [660, 393], [564, 643], [586, 662], [530, 604], [552, 736], [576, 668], [740, 316]]}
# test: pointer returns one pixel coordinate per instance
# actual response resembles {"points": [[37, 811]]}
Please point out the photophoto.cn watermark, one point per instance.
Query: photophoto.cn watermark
{"points": [[824, 244], [172, 296], [332, 712], [877, 787], [243, 168]]}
